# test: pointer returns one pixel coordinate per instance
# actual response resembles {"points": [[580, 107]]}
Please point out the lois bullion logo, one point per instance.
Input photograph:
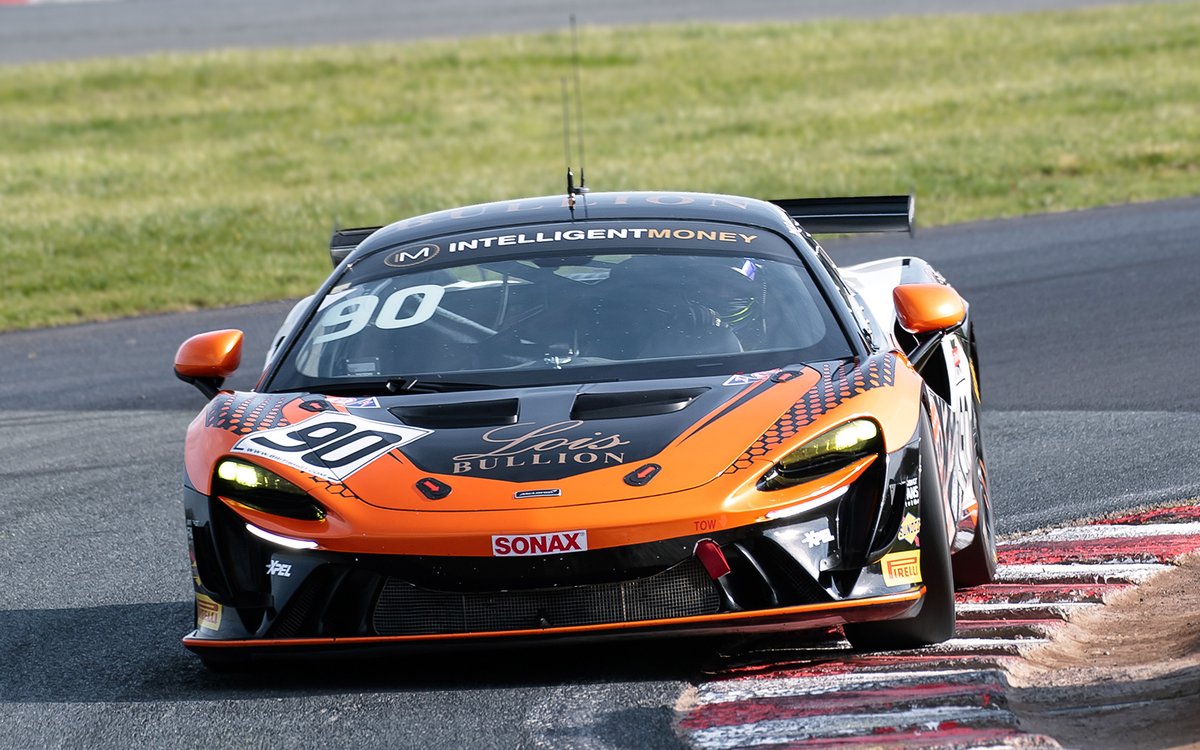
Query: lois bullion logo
{"points": [[524, 545], [517, 445]]}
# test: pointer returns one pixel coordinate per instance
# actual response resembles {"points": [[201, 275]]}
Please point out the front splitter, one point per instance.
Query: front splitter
{"points": [[801, 617]]}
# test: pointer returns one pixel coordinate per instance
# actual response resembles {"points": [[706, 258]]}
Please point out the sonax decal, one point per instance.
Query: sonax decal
{"points": [[525, 545], [208, 613], [330, 445], [900, 568]]}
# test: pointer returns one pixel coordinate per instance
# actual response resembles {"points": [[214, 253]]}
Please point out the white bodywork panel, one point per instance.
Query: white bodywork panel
{"points": [[954, 420]]}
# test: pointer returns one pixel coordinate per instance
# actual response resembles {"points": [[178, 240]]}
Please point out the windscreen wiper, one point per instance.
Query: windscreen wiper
{"points": [[397, 385]]}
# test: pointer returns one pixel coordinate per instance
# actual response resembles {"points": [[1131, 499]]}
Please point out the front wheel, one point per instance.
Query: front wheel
{"points": [[975, 564], [934, 622]]}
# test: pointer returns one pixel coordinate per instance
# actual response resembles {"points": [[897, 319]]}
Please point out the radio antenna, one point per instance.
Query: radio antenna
{"points": [[572, 190], [578, 104], [567, 146]]}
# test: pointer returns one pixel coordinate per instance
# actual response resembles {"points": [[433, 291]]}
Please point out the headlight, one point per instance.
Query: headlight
{"points": [[263, 490], [824, 454]]}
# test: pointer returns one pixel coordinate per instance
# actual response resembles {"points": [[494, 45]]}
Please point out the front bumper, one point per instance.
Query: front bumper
{"points": [[820, 567]]}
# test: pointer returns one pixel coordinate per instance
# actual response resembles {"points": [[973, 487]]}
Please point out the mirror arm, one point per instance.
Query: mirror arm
{"points": [[210, 387], [925, 348]]}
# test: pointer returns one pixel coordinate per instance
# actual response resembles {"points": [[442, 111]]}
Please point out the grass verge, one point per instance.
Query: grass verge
{"points": [[184, 181]]}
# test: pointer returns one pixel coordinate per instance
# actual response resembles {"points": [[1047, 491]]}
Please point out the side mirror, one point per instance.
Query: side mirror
{"points": [[925, 308], [206, 359]]}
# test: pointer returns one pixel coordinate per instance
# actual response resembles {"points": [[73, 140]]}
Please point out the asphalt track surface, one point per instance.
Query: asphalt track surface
{"points": [[1086, 323], [132, 27]]}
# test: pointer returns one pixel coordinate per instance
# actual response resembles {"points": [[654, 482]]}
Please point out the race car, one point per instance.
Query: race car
{"points": [[611, 414]]}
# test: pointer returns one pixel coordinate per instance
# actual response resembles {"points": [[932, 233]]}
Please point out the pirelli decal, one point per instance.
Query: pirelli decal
{"points": [[208, 613], [900, 568]]}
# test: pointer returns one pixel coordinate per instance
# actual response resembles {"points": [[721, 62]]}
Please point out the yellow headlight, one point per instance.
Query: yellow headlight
{"points": [[251, 477], [851, 437]]}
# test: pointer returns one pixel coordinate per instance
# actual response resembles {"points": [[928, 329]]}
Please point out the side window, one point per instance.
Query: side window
{"points": [[867, 326]]}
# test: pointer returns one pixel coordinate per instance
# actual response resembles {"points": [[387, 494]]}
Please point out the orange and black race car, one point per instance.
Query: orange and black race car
{"points": [[625, 414]]}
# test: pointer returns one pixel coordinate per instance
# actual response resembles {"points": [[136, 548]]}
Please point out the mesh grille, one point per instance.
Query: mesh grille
{"points": [[681, 591]]}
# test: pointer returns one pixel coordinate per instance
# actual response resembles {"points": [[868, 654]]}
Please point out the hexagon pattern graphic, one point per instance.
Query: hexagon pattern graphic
{"points": [[839, 381]]}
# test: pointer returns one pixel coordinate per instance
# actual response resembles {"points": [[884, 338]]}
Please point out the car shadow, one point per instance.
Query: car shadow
{"points": [[132, 653]]}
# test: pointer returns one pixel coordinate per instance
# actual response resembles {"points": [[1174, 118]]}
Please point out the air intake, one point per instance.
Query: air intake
{"points": [[633, 403]]}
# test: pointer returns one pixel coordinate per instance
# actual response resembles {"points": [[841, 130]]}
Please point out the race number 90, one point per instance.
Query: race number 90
{"points": [[351, 316], [330, 445]]}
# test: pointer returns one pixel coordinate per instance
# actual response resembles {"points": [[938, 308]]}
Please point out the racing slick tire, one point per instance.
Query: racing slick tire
{"points": [[934, 622], [975, 564]]}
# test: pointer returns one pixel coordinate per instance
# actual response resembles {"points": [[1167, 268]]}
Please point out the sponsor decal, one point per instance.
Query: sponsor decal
{"points": [[523, 494], [583, 235], [361, 367], [818, 538], [331, 445], [276, 568], [208, 613], [912, 493], [750, 377], [900, 568], [559, 443], [526, 545], [369, 402], [413, 255], [909, 528]]}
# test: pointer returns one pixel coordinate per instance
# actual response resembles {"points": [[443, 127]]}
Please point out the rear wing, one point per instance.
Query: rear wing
{"points": [[343, 242], [871, 213]]}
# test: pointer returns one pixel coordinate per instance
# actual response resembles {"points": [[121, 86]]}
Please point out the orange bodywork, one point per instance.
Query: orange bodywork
{"points": [[707, 482], [922, 308], [215, 354]]}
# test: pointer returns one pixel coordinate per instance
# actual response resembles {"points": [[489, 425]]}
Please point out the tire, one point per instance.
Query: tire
{"points": [[934, 621], [975, 565]]}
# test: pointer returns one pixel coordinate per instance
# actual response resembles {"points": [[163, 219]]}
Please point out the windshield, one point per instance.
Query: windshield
{"points": [[537, 318]]}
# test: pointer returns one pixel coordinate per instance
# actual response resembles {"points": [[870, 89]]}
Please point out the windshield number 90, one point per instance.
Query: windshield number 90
{"points": [[350, 316]]}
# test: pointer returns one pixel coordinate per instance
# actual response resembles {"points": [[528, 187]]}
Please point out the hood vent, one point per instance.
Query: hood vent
{"points": [[493, 413], [633, 403]]}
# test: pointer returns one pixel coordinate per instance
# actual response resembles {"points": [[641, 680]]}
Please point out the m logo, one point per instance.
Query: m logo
{"points": [[412, 255]]}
